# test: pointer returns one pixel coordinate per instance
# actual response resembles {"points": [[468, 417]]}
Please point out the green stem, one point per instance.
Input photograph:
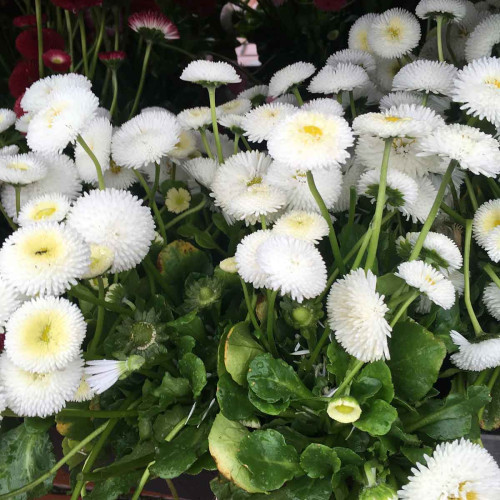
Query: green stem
{"points": [[362, 248], [215, 127], [489, 271], [17, 189], [271, 299], [69, 29], [245, 143], [138, 95], [204, 140], [470, 191], [116, 17], [83, 38], [467, 243], [454, 215], [314, 355], [439, 21], [142, 482], [379, 208], [481, 377], [494, 187], [236, 141], [193, 210], [297, 95], [352, 206], [248, 303], [263, 222], [93, 157], [403, 307], [353, 104], [76, 449], [172, 489], [98, 43], [425, 99], [347, 379], [433, 212], [114, 102], [100, 319], [326, 215], [88, 297], [39, 34]]}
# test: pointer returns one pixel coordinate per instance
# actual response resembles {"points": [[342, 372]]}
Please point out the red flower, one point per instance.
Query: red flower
{"points": [[18, 109], [113, 59], [27, 42], [2, 341], [153, 26], [76, 5], [56, 59], [22, 76], [200, 7], [142, 5], [329, 5], [27, 21]]}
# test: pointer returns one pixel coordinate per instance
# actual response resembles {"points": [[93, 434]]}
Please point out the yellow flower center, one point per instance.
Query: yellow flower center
{"points": [[42, 247], [493, 81], [115, 169], [44, 332], [57, 59], [430, 280], [18, 165], [254, 181], [394, 31], [469, 495], [363, 41], [392, 118], [313, 131], [43, 213], [345, 409], [45, 336]]}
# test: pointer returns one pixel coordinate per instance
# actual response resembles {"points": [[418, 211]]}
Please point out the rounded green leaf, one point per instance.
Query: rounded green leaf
{"points": [[319, 461], [378, 419]]}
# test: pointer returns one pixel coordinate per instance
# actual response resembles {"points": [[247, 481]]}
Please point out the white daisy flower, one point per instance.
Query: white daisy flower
{"points": [[352, 173], [97, 136], [117, 177], [484, 37], [66, 114], [472, 149], [491, 299], [238, 106], [101, 374], [45, 334], [324, 105], [426, 76], [294, 184], [492, 244], [10, 300], [486, 219], [46, 207], [257, 94], [210, 73], [202, 170], [13, 149], [144, 139], [477, 86], [354, 56], [286, 99], [101, 260], [387, 70], [186, 146], [450, 9], [453, 471], [35, 394], [338, 78], [249, 267], [438, 103], [419, 211], [480, 354], [311, 140], [356, 313], [99, 216], [302, 225], [290, 76], [44, 258], [457, 278], [195, 118], [424, 277], [261, 121], [22, 168], [22, 123], [232, 122], [83, 392], [358, 34], [394, 33], [292, 266], [7, 119]]}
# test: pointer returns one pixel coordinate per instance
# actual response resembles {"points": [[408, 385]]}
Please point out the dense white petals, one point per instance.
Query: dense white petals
{"points": [[210, 73], [22, 168], [10, 300], [491, 299], [486, 219], [475, 356], [286, 78], [307, 226], [354, 56], [483, 38], [46, 207], [195, 118], [358, 34], [261, 121], [249, 268], [425, 76], [451, 9], [7, 119], [324, 105], [492, 244], [202, 170], [334, 79]]}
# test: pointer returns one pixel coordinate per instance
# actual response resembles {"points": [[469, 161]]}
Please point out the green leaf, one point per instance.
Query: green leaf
{"points": [[347, 456], [389, 284], [75, 428], [265, 407], [273, 380], [193, 368], [365, 388], [491, 415], [270, 461], [240, 349], [224, 441], [380, 371], [414, 454], [319, 461], [205, 462], [233, 399], [113, 487], [188, 325], [26, 453], [339, 361], [416, 358], [166, 421], [377, 420], [171, 389]]}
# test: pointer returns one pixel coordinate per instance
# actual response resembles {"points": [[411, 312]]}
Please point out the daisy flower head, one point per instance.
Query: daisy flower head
{"points": [[57, 60], [352, 171], [210, 73], [31, 394], [202, 170], [394, 33], [13, 149], [257, 94], [117, 177], [438, 103], [453, 472], [99, 217], [302, 225], [238, 106], [292, 266], [144, 139], [358, 34], [492, 245], [387, 70], [46, 207], [10, 300], [7, 119], [22, 169], [491, 299], [324, 105], [284, 80], [424, 277], [248, 266], [476, 355], [45, 334], [177, 200], [153, 26], [426, 76], [195, 118], [472, 149], [485, 36], [261, 121], [112, 59], [101, 260], [97, 136], [354, 56], [486, 219], [233, 122], [344, 76], [356, 313], [44, 258], [311, 140], [453, 10], [83, 392], [419, 211], [186, 146]]}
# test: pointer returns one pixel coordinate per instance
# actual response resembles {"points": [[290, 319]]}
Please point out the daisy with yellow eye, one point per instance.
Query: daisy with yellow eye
{"points": [[47, 207], [177, 200], [303, 225], [486, 219], [259, 123], [101, 259], [21, 169], [195, 118], [358, 34]]}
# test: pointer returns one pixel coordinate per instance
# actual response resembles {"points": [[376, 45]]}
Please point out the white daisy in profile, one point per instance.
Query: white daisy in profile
{"points": [[424, 277], [261, 121], [419, 211], [486, 219], [83, 392], [491, 299], [177, 200], [101, 260], [38, 394], [453, 10], [45, 334], [484, 37], [354, 56], [10, 300], [472, 149], [47, 207], [233, 123], [426, 76], [453, 472], [311, 140], [324, 105], [7, 119], [238, 106], [117, 177], [202, 170], [290, 76], [185, 147], [101, 374], [361, 330], [477, 86], [394, 33], [358, 34], [13, 149], [99, 217], [492, 244], [210, 73], [294, 184], [195, 118], [293, 267], [249, 267], [286, 99], [343, 76], [438, 103], [302, 225], [477, 354], [22, 123], [257, 94], [387, 70], [44, 258], [352, 172], [229, 265], [22, 169]]}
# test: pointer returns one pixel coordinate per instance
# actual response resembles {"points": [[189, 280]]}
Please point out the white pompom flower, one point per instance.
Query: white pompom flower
{"points": [[354, 56], [10, 300], [358, 34], [13, 149], [7, 119], [324, 105], [454, 10], [210, 73], [356, 313], [195, 118], [344, 76], [261, 121], [290, 76], [480, 354], [492, 244], [247, 264], [202, 170], [426, 76], [307, 226], [238, 106], [419, 211], [484, 37], [491, 299], [47, 207], [83, 392], [22, 169], [486, 219], [117, 177], [438, 103]]}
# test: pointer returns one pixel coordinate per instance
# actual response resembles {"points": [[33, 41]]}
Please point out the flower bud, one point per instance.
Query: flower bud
{"points": [[345, 409], [378, 492], [302, 315], [229, 265]]}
